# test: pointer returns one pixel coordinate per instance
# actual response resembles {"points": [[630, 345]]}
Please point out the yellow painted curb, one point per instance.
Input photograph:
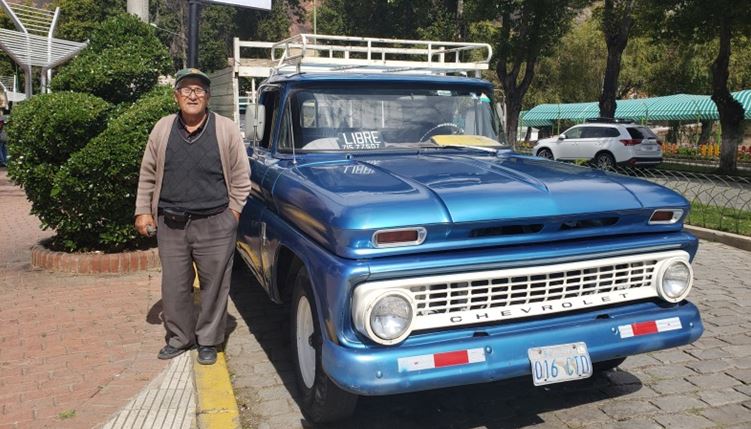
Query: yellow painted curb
{"points": [[216, 406]]}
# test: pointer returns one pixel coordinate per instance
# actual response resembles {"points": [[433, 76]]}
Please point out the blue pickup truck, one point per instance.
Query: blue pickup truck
{"points": [[418, 251]]}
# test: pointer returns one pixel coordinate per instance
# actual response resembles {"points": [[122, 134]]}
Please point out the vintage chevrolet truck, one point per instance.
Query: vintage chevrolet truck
{"points": [[418, 251]]}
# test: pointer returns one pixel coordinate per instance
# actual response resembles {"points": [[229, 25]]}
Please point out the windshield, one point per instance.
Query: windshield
{"points": [[365, 119]]}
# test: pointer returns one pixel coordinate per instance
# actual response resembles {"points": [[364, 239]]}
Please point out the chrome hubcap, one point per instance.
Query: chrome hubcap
{"points": [[306, 354]]}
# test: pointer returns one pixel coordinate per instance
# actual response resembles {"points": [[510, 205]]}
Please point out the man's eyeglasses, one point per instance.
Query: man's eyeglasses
{"points": [[185, 92]]}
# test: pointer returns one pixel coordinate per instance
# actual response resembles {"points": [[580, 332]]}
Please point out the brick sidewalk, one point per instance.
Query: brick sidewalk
{"points": [[73, 349]]}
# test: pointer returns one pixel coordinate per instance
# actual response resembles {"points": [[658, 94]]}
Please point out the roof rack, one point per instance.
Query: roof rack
{"points": [[309, 53], [608, 121]]}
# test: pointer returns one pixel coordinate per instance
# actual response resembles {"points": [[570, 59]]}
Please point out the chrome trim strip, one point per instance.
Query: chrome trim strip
{"points": [[378, 276]]}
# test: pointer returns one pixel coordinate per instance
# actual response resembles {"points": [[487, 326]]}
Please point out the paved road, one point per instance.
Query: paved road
{"points": [[703, 385]]}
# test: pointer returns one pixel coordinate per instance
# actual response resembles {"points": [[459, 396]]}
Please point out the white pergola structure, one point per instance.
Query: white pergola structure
{"points": [[33, 45]]}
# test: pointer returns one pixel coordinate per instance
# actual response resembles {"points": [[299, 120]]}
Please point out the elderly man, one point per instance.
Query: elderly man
{"points": [[194, 181]]}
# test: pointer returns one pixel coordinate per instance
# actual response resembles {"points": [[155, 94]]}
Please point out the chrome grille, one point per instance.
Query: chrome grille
{"points": [[504, 291]]}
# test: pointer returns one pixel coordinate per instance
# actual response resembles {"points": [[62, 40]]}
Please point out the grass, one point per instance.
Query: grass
{"points": [[696, 168], [67, 414], [720, 218]]}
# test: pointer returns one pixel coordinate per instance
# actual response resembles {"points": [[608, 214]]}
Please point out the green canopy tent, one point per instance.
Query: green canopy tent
{"points": [[678, 107]]}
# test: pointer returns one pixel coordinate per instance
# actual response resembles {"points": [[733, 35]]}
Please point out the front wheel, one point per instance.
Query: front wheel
{"points": [[320, 399]]}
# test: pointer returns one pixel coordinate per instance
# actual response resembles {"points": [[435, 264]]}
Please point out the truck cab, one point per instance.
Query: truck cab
{"points": [[418, 251]]}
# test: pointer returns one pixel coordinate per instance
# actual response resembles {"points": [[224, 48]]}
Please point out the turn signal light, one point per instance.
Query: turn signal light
{"points": [[399, 237], [668, 216]]}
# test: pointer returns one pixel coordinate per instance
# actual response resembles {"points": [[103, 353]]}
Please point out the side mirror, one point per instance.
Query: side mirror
{"points": [[562, 137], [255, 121]]}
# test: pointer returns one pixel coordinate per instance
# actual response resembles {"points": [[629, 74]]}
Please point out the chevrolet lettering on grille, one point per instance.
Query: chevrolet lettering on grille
{"points": [[534, 310]]}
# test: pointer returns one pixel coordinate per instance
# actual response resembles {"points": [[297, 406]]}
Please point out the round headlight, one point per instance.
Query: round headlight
{"points": [[676, 280], [390, 317]]}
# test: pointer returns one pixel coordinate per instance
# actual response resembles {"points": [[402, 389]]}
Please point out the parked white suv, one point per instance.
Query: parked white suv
{"points": [[604, 143]]}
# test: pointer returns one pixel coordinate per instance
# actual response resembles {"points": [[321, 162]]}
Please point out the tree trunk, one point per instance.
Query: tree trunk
{"points": [[608, 103], [730, 110], [460, 27], [514, 90], [706, 131], [616, 26], [513, 108]]}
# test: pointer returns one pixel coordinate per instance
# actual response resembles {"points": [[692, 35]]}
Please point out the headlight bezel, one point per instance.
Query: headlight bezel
{"points": [[666, 265], [363, 322]]}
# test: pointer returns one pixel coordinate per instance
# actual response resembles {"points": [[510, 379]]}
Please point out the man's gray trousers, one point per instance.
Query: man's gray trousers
{"points": [[210, 243]]}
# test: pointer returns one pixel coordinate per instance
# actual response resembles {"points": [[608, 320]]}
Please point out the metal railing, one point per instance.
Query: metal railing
{"points": [[318, 52], [719, 202]]}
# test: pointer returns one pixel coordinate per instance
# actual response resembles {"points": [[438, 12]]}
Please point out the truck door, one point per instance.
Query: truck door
{"points": [[252, 233]]}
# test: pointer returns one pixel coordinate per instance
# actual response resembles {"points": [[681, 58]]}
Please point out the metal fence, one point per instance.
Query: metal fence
{"points": [[717, 201]]}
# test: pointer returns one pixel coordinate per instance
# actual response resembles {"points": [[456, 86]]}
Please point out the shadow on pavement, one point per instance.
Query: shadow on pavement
{"points": [[503, 404], [154, 316]]}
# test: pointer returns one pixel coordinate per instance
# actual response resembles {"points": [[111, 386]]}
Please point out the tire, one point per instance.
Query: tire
{"points": [[607, 364], [545, 153], [321, 400], [604, 161]]}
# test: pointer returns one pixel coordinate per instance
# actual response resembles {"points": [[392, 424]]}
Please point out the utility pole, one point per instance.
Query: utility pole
{"points": [[139, 8], [193, 17]]}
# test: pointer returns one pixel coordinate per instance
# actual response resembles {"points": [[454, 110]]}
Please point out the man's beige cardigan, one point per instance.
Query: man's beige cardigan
{"points": [[232, 152]]}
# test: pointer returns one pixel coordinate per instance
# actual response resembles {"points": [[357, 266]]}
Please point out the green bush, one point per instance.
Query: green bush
{"points": [[122, 62], [44, 132], [96, 188]]}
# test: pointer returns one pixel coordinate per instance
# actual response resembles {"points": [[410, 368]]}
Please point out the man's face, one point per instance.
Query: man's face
{"points": [[192, 103]]}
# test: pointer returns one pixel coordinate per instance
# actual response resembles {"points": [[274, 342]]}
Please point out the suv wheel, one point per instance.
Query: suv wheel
{"points": [[320, 399], [604, 161], [545, 153]]}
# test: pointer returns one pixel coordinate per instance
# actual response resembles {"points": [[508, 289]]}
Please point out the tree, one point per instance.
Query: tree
{"points": [[616, 25], [572, 72], [699, 21], [527, 30], [122, 62], [269, 26], [217, 27], [79, 18], [401, 19]]}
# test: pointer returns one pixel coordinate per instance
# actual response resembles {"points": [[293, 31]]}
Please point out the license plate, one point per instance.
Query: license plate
{"points": [[555, 364]]}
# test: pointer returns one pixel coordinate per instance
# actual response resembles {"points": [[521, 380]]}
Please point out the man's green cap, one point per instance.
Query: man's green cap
{"points": [[194, 73]]}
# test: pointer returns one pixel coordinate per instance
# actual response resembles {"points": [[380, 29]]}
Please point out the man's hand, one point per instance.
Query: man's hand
{"points": [[235, 214], [143, 222]]}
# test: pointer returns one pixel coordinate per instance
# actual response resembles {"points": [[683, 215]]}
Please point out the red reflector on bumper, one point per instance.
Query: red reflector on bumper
{"points": [[650, 327], [439, 360], [458, 357], [644, 328]]}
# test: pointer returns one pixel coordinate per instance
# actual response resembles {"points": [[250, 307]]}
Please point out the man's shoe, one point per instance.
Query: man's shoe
{"points": [[206, 355], [168, 352]]}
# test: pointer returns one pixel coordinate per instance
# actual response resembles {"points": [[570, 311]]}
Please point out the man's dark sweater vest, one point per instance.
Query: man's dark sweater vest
{"points": [[193, 179]]}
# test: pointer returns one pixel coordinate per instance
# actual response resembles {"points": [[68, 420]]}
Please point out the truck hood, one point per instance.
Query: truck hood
{"points": [[377, 192]]}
